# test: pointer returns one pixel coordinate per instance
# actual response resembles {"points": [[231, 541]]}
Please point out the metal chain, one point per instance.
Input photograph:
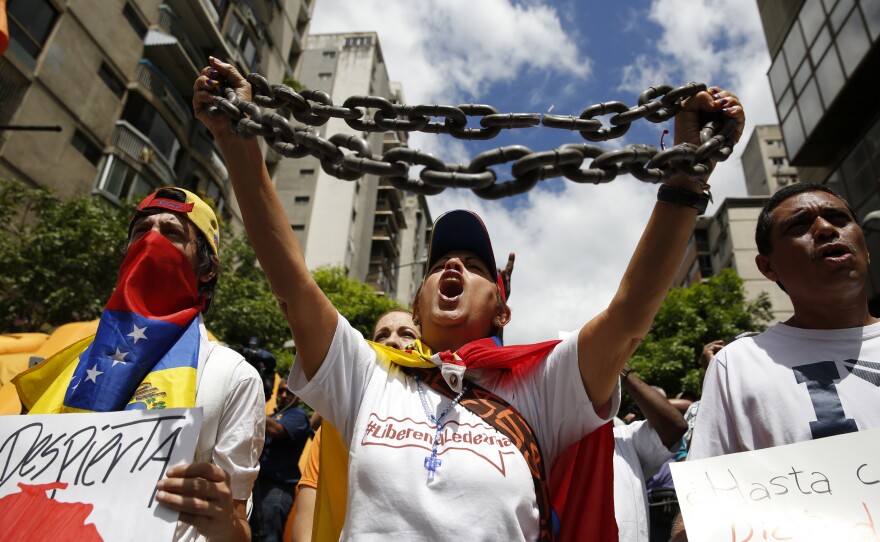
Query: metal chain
{"points": [[315, 108]]}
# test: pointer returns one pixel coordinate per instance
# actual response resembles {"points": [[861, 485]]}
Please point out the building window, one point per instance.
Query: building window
{"points": [[120, 181], [293, 59], [235, 29], [301, 200], [329, 54], [298, 227], [354, 215], [12, 88], [30, 22], [778, 161], [135, 20], [359, 41], [151, 124], [83, 144], [305, 172], [116, 86], [241, 38], [325, 76]]}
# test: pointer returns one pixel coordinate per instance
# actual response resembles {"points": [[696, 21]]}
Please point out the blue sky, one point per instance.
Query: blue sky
{"points": [[572, 241]]}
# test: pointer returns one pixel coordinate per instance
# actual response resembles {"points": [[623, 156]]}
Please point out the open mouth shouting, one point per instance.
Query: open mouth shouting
{"points": [[835, 252], [451, 286]]}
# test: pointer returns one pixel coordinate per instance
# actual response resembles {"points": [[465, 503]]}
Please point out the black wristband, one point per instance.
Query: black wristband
{"points": [[683, 197]]}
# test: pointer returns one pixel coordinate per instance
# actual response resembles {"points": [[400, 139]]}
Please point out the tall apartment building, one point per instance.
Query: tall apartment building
{"points": [[727, 239], [116, 77], [765, 163], [826, 56], [378, 233]]}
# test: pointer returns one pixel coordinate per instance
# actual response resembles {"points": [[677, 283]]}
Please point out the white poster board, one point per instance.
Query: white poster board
{"points": [[826, 489], [98, 469]]}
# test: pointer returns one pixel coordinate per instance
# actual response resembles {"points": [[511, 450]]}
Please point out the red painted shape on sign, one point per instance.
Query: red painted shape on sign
{"points": [[33, 516]]}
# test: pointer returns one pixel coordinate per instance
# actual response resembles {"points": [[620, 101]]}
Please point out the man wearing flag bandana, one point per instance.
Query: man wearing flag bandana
{"points": [[454, 440], [151, 351]]}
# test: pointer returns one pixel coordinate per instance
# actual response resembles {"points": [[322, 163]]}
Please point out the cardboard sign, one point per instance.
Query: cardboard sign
{"points": [[826, 489], [91, 476]]}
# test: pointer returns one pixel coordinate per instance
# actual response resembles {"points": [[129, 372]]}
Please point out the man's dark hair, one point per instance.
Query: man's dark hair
{"points": [[765, 220], [207, 261]]}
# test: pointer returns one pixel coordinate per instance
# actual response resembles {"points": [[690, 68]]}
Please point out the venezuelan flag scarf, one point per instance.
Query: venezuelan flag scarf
{"points": [[146, 350], [581, 482]]}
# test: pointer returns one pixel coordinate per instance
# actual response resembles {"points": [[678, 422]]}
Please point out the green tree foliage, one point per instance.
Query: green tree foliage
{"points": [[245, 307], [690, 318], [353, 299], [58, 259]]}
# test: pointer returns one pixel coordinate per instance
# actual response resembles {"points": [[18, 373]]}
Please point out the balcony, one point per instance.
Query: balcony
{"points": [[169, 47], [205, 151], [172, 24], [159, 85], [130, 141], [388, 202], [382, 274]]}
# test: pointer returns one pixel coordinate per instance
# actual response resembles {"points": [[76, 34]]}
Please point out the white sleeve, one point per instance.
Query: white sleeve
{"points": [[553, 400], [337, 389], [650, 449], [241, 430], [715, 431]]}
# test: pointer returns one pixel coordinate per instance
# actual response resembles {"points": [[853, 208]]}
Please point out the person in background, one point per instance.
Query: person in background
{"points": [[152, 351], [815, 375], [287, 430], [394, 329], [640, 450]]}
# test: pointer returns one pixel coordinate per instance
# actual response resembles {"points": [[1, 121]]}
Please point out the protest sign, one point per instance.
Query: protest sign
{"points": [[825, 489], [91, 476]]}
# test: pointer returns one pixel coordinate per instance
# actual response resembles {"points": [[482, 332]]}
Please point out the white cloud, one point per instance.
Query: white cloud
{"points": [[446, 50], [571, 250], [720, 43]]}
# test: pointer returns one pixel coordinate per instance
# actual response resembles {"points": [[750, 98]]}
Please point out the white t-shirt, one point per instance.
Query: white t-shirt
{"points": [[483, 489], [240, 421], [764, 391], [638, 454]]}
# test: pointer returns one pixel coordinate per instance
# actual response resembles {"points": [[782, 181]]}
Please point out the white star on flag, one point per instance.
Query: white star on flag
{"points": [[118, 357], [138, 333], [93, 374]]}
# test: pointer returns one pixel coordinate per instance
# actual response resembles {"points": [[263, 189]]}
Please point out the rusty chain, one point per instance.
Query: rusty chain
{"points": [[315, 108]]}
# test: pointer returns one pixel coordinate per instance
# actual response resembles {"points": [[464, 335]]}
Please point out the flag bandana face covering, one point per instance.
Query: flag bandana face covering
{"points": [[145, 353]]}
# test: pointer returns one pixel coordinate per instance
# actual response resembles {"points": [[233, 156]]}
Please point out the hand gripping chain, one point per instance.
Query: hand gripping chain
{"points": [[315, 108]]}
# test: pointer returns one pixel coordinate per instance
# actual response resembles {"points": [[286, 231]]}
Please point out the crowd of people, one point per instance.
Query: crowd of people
{"points": [[435, 429]]}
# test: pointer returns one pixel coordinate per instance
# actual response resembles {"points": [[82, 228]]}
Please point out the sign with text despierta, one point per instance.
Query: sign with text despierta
{"points": [[826, 489], [91, 476]]}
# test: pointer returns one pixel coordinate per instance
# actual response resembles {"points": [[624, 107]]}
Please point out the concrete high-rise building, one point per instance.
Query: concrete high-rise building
{"points": [[826, 56], [727, 239], [378, 233], [116, 77], [765, 164]]}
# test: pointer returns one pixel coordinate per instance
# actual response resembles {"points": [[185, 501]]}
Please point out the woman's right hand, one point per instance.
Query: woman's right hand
{"points": [[213, 76]]}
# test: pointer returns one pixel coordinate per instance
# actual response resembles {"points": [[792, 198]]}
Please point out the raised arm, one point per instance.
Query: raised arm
{"points": [[609, 339], [666, 420], [310, 314]]}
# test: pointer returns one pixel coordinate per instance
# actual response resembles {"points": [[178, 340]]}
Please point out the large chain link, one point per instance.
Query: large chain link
{"points": [[315, 108]]}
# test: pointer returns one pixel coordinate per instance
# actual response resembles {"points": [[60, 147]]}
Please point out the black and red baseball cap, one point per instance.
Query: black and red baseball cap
{"points": [[463, 230]]}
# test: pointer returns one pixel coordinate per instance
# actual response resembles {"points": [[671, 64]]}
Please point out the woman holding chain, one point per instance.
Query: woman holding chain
{"points": [[454, 440]]}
